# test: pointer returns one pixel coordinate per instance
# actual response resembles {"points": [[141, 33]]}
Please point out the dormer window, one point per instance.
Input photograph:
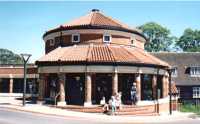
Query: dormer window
{"points": [[51, 42], [106, 38], [75, 38], [174, 72], [195, 71]]}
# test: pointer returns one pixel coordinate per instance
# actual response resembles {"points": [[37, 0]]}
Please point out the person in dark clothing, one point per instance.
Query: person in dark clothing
{"points": [[133, 94]]}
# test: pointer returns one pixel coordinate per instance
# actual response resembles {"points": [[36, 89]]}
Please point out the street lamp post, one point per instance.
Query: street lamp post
{"points": [[25, 58], [170, 91]]}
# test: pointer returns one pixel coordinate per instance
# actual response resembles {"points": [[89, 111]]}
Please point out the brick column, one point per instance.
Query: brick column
{"points": [[138, 86], [61, 80], [154, 86], [88, 90], [115, 83], [165, 83], [41, 90], [11, 85]]}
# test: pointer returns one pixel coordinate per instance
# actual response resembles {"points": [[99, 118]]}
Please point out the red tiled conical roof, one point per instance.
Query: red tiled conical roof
{"points": [[101, 53], [97, 18], [94, 18]]}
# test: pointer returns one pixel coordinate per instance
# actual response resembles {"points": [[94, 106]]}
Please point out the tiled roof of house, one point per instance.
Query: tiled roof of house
{"points": [[96, 19], [183, 62], [101, 53]]}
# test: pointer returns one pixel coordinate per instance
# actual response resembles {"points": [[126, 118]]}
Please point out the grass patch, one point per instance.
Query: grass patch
{"points": [[190, 108]]}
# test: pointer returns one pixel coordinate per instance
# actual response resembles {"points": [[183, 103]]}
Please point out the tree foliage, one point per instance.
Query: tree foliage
{"points": [[189, 41], [8, 57], [159, 37]]}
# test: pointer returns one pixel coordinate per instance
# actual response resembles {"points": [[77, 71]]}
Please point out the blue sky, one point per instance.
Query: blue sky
{"points": [[22, 24]]}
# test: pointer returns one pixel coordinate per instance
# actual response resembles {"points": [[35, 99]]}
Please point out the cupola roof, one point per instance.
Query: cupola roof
{"points": [[95, 19]]}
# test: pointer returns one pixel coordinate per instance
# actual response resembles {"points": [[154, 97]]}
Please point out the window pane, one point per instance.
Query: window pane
{"points": [[75, 38], [107, 38]]}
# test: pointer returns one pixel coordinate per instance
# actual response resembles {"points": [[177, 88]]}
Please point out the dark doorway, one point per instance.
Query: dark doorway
{"points": [[75, 85], [125, 84], [103, 87], [160, 86], [4, 85], [146, 87], [18, 85], [52, 86]]}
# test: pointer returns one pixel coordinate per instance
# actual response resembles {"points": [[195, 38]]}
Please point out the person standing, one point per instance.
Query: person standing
{"points": [[113, 104], [133, 94]]}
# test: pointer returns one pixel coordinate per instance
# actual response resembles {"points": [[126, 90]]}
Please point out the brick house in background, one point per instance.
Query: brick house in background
{"points": [[185, 72], [12, 78]]}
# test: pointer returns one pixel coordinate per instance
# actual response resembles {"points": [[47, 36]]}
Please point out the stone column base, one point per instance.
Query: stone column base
{"points": [[61, 103], [87, 104]]}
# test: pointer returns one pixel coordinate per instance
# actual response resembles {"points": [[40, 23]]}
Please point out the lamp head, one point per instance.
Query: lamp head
{"points": [[25, 56]]}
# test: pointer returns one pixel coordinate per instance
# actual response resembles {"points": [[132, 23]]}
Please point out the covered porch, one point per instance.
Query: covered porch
{"points": [[87, 85]]}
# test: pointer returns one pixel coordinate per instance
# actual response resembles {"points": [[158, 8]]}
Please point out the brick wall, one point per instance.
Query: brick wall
{"points": [[92, 38], [17, 70]]}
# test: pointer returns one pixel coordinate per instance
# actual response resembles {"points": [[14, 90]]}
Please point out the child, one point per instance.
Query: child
{"points": [[113, 105]]}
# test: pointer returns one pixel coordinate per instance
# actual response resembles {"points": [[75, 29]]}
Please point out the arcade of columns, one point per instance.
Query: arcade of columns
{"points": [[88, 86]]}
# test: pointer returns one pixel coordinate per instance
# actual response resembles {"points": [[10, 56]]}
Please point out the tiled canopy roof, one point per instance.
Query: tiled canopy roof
{"points": [[94, 19], [103, 53]]}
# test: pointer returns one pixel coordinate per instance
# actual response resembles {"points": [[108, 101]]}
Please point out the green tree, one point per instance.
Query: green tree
{"points": [[8, 57], [158, 36], [189, 41]]}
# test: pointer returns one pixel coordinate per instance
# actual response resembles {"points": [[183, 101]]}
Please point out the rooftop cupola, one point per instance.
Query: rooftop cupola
{"points": [[95, 10]]}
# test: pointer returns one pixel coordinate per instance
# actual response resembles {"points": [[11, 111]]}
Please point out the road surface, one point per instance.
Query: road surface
{"points": [[8, 116]]}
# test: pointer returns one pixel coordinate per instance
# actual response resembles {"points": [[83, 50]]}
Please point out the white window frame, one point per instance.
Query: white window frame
{"points": [[73, 38], [107, 41], [51, 42], [133, 39], [196, 92], [175, 72], [195, 71]]}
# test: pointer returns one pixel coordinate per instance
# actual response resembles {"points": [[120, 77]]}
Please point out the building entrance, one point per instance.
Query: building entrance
{"points": [[75, 85], [103, 87], [4, 85], [125, 83], [146, 87]]}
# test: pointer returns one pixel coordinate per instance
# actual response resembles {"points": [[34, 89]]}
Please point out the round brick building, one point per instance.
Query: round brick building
{"points": [[93, 57]]}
